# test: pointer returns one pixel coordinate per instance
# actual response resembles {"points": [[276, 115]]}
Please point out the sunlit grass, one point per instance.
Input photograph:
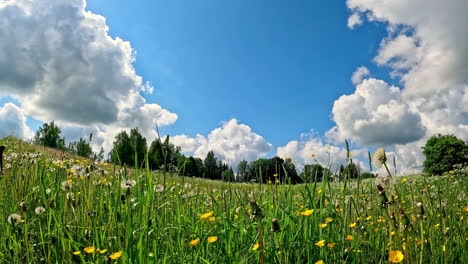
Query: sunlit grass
{"points": [[70, 210]]}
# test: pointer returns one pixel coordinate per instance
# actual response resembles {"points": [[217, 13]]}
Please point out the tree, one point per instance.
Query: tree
{"points": [[122, 152], [164, 155], [242, 170], [351, 171], [80, 148], [314, 173], [443, 152], [228, 175], [139, 147], [210, 165], [49, 135]]}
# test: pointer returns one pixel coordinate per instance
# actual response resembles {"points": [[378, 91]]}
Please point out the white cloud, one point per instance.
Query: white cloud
{"points": [[375, 115], [186, 143], [232, 143], [354, 20], [359, 75], [59, 61], [327, 155], [13, 122]]}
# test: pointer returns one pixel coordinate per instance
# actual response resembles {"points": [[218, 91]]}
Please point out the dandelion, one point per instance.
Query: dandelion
{"points": [[39, 210], [126, 185], [353, 224], [116, 255], [328, 220], [320, 243], [322, 225], [211, 219], [277, 181], [194, 242], [319, 262], [206, 215], [67, 185], [349, 237], [395, 256], [275, 175], [331, 245], [255, 246], [369, 218], [379, 158], [307, 212], [212, 239], [76, 253], [101, 251], [14, 219], [89, 249], [313, 155]]}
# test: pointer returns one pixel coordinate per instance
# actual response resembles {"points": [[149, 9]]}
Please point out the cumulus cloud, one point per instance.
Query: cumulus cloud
{"points": [[375, 115], [310, 149], [232, 143], [187, 144], [354, 20], [359, 75], [13, 122], [59, 61]]}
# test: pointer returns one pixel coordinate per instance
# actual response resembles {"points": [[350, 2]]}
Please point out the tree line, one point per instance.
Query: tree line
{"points": [[442, 153]]}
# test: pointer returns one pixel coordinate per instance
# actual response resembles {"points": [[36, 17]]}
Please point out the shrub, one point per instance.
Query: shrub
{"points": [[443, 152]]}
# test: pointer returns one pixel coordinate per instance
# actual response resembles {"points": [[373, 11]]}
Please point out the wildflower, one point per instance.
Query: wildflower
{"points": [[465, 208], [331, 245], [307, 212], [328, 220], [353, 224], [206, 215], [275, 175], [14, 219], [270, 182], [39, 210], [116, 255], [395, 256], [379, 157], [89, 249], [349, 237], [369, 218], [194, 242], [313, 155], [76, 253], [127, 185], [211, 219], [322, 225], [277, 181], [255, 246], [212, 239], [67, 185], [320, 243], [319, 262], [101, 251], [404, 180]]}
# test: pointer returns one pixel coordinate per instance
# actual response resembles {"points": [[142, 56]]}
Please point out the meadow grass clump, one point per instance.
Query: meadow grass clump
{"points": [[65, 209]]}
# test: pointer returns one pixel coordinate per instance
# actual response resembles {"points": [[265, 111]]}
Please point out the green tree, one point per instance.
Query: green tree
{"points": [[351, 171], [49, 135], [443, 152], [242, 170], [210, 164], [81, 148], [314, 173], [164, 155], [122, 152], [139, 147], [228, 175]]}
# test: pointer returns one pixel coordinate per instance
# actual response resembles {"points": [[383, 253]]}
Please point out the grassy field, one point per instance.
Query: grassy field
{"points": [[58, 208]]}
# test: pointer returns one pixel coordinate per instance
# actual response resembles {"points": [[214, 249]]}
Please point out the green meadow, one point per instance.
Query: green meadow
{"points": [[60, 208]]}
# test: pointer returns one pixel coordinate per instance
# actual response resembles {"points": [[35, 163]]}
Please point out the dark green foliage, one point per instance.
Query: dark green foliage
{"points": [[263, 170], [314, 173], [164, 155], [242, 170], [351, 171], [211, 166], [367, 175], [228, 175], [129, 149], [49, 135], [193, 167], [443, 152], [80, 148]]}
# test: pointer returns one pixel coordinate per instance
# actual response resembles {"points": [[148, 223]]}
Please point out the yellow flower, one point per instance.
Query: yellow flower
{"points": [[395, 256], [322, 225], [212, 239], [211, 219], [353, 224], [194, 242], [255, 246], [451, 172], [403, 180], [90, 249], [331, 245], [328, 219], [101, 251], [307, 212], [105, 164], [349, 237], [329, 147], [321, 243], [275, 175], [313, 155], [270, 182], [369, 218], [206, 215], [277, 181], [465, 208], [76, 253], [116, 255], [319, 262]]}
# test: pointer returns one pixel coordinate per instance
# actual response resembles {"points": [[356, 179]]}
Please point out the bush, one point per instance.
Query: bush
{"points": [[367, 175], [443, 152]]}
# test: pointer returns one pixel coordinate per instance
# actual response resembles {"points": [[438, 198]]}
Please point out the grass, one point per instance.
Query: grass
{"points": [[153, 217]]}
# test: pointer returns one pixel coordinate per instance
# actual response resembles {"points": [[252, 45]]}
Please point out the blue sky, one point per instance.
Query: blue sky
{"points": [[275, 66], [246, 79]]}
